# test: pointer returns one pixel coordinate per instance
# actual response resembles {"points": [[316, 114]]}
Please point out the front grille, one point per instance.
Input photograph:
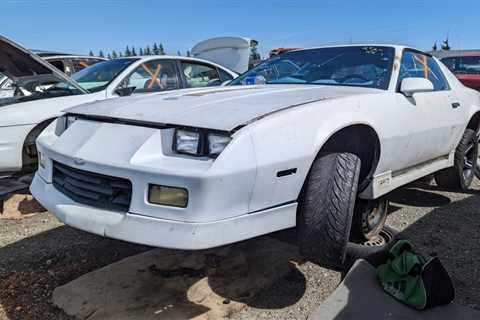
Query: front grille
{"points": [[93, 189]]}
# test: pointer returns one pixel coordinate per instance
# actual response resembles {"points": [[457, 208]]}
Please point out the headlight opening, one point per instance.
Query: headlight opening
{"points": [[200, 142]]}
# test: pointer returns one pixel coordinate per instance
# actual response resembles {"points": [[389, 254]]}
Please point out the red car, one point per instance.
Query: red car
{"points": [[465, 65]]}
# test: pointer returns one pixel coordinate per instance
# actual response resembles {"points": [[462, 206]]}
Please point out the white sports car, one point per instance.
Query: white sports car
{"points": [[39, 92], [311, 138]]}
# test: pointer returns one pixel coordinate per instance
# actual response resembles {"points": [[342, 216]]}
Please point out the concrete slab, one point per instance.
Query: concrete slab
{"points": [[360, 297], [168, 284]]}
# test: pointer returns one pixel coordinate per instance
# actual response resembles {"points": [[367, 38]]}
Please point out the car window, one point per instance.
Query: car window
{"points": [[154, 76], [416, 65], [224, 75], [200, 75], [463, 65], [360, 66], [82, 63]]}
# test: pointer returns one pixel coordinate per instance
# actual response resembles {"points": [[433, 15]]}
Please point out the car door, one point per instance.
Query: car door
{"points": [[199, 74], [436, 122], [153, 76]]}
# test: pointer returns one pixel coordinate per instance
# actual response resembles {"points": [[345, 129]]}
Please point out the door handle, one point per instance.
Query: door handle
{"points": [[455, 105]]}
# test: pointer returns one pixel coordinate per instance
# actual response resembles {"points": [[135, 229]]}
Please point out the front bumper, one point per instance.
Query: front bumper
{"points": [[162, 232]]}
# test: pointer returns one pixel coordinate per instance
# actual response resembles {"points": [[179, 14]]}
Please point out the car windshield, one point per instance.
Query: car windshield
{"points": [[463, 65], [98, 76], [361, 66]]}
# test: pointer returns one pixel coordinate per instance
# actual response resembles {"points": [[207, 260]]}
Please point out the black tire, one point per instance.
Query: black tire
{"points": [[326, 208], [369, 218], [477, 168], [460, 176]]}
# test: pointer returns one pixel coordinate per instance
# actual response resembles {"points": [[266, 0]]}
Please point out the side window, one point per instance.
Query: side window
{"points": [[154, 76], [224, 76], [200, 75], [416, 65]]}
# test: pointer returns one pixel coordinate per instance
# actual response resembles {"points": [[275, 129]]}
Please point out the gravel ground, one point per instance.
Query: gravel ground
{"points": [[38, 254]]}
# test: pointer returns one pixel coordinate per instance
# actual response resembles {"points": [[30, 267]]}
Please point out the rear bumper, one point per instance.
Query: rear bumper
{"points": [[161, 232]]}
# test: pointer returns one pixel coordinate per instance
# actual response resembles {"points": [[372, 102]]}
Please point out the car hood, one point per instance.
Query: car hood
{"points": [[17, 62], [223, 108]]}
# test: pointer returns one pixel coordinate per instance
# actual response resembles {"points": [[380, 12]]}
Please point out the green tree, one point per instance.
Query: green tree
{"points": [[155, 49], [91, 53], [120, 54], [161, 51], [188, 53], [109, 56], [435, 48], [140, 51], [114, 54], [147, 51], [101, 55], [134, 53], [128, 53], [445, 45], [179, 53]]}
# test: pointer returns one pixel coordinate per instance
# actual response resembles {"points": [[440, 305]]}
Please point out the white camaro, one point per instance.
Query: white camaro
{"points": [[39, 92], [312, 138]]}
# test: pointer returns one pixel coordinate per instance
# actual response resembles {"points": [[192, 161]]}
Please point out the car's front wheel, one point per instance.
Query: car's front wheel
{"points": [[326, 209], [460, 176]]}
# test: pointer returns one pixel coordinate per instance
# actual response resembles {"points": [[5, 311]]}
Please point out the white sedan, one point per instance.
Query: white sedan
{"points": [[312, 138], [39, 92]]}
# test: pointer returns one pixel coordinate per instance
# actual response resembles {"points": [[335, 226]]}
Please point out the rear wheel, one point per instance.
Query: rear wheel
{"points": [[368, 219], [460, 176]]}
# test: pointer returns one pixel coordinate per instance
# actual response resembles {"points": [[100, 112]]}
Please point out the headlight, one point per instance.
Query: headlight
{"points": [[200, 142], [187, 142], [63, 123], [216, 143]]}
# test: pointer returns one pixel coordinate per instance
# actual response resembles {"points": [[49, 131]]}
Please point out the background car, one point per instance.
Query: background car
{"points": [[68, 63], [465, 64], [313, 138], [38, 92]]}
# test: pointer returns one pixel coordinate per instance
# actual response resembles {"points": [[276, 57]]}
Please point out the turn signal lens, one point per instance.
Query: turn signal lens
{"points": [[168, 196]]}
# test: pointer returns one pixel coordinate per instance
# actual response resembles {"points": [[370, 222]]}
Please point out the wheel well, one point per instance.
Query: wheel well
{"points": [[361, 140], [29, 151], [474, 121]]}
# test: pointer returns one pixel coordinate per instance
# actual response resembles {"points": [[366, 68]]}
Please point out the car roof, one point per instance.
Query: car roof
{"points": [[395, 46], [72, 56]]}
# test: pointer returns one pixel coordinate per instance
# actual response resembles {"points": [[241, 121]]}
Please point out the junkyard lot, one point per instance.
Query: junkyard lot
{"points": [[38, 253]]}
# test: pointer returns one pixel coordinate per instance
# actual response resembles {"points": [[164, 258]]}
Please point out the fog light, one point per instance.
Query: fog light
{"points": [[168, 196]]}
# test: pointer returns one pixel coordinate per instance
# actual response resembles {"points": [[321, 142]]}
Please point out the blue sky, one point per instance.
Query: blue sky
{"points": [[80, 25]]}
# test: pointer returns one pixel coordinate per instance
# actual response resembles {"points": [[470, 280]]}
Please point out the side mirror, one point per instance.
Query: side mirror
{"points": [[125, 91], [410, 86]]}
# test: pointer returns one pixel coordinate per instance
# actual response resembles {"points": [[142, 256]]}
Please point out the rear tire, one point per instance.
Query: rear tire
{"points": [[369, 218], [326, 208], [460, 176]]}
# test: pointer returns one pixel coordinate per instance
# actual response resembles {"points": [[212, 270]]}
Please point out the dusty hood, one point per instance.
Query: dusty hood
{"points": [[17, 62], [219, 108]]}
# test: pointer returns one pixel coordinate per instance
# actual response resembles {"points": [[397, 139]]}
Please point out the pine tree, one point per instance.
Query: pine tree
{"points": [[101, 55], [161, 51], [109, 56], [155, 49], [435, 48], [134, 53], [120, 54], [446, 45], [114, 54], [91, 53], [147, 51], [188, 53], [179, 53], [141, 51], [128, 53]]}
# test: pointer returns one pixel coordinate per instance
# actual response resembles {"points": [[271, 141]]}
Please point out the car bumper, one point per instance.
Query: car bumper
{"points": [[163, 233]]}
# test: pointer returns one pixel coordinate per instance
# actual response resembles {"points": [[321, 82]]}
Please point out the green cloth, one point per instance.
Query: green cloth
{"points": [[401, 275]]}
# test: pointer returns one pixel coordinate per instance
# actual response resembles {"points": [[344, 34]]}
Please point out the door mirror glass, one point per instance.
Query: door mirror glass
{"points": [[410, 86], [125, 91]]}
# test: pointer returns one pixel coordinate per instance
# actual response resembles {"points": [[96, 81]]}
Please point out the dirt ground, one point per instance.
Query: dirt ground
{"points": [[38, 254]]}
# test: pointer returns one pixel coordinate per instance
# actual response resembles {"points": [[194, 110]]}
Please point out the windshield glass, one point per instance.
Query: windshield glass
{"points": [[362, 66], [98, 76], [465, 65]]}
